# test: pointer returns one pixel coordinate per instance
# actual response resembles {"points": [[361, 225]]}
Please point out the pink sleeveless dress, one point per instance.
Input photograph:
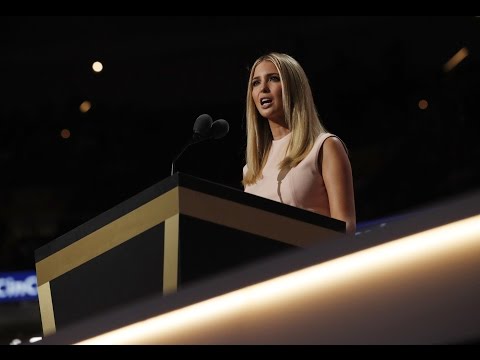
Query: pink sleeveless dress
{"points": [[301, 187]]}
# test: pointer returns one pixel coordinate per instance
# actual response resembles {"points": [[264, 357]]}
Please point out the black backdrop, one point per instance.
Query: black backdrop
{"points": [[368, 74]]}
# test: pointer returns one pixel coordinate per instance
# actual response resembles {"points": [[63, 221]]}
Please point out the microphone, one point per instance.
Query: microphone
{"points": [[201, 128], [219, 129], [204, 129]]}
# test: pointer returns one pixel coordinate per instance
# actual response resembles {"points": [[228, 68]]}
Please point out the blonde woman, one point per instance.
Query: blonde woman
{"points": [[290, 156]]}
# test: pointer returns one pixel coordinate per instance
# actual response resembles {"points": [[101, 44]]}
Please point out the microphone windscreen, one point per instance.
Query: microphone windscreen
{"points": [[220, 128], [203, 125]]}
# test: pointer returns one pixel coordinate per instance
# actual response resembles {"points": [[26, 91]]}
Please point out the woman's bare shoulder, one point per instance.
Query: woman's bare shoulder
{"points": [[334, 146]]}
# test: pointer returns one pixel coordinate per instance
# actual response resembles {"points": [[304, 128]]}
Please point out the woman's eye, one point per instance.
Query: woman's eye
{"points": [[255, 83]]}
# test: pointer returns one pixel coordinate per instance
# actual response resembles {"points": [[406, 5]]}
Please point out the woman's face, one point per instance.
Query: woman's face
{"points": [[267, 91]]}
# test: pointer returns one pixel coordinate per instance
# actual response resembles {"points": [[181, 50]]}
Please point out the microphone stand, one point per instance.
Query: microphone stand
{"points": [[195, 139], [180, 154]]}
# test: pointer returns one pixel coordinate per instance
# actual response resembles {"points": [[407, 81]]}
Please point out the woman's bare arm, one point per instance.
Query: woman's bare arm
{"points": [[337, 176]]}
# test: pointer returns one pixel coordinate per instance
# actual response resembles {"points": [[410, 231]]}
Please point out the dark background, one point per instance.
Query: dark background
{"points": [[367, 73]]}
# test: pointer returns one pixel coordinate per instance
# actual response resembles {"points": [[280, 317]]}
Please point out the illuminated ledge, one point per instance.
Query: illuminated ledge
{"points": [[394, 286]]}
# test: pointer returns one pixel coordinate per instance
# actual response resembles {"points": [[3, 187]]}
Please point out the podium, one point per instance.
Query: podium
{"points": [[178, 231]]}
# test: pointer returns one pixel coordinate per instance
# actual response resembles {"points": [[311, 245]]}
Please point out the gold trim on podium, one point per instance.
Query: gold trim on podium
{"points": [[177, 201], [170, 255], [46, 309], [251, 220], [108, 237]]}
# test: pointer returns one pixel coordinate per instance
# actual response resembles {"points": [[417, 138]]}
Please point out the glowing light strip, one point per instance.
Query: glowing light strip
{"points": [[458, 237], [456, 59]]}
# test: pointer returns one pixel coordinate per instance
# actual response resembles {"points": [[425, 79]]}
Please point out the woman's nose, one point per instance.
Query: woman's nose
{"points": [[265, 87]]}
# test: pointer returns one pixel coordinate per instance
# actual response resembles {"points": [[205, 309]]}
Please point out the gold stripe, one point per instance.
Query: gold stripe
{"points": [[170, 255], [252, 220], [108, 237], [46, 309], [219, 211]]}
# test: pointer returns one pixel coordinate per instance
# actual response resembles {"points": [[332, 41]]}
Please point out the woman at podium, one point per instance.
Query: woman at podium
{"points": [[290, 156]]}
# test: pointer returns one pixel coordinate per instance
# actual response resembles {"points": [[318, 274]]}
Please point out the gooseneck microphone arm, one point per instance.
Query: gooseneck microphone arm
{"points": [[201, 130], [178, 156]]}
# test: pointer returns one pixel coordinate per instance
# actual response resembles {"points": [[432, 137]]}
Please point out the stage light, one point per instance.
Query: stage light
{"points": [[97, 66]]}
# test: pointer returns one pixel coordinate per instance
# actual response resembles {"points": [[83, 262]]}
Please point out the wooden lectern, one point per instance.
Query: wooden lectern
{"points": [[180, 230]]}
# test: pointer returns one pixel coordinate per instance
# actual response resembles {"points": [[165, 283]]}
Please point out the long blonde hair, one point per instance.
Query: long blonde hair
{"points": [[301, 118]]}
